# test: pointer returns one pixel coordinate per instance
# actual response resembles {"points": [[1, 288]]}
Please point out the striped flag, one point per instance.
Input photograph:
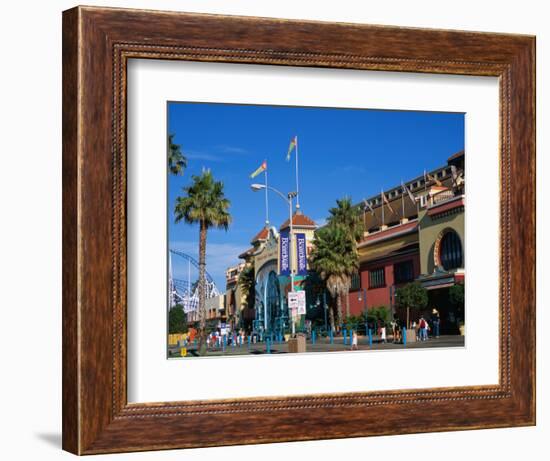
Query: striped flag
{"points": [[386, 201], [260, 169], [291, 147], [368, 206], [409, 193], [434, 179]]}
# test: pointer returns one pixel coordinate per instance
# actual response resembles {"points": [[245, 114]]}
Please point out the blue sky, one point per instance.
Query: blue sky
{"points": [[341, 152]]}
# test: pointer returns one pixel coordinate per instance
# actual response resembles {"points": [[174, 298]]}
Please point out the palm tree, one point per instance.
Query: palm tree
{"points": [[247, 284], [205, 204], [334, 259], [177, 162], [351, 218]]}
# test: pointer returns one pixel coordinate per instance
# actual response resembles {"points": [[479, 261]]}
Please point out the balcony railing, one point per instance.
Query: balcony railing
{"points": [[441, 197]]}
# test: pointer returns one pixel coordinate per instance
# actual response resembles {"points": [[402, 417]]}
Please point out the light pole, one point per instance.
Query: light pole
{"points": [[288, 199], [362, 296]]}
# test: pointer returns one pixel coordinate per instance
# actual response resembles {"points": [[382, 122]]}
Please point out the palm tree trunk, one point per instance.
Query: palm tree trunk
{"points": [[331, 316], [347, 305], [202, 289]]}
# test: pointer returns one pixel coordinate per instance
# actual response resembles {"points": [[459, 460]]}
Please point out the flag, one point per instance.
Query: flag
{"points": [[369, 206], [434, 179], [292, 146], [409, 193], [458, 179], [260, 169], [385, 199]]}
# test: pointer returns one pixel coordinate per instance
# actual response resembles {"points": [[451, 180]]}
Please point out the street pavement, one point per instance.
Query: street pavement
{"points": [[323, 345]]}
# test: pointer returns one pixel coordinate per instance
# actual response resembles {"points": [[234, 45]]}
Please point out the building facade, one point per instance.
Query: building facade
{"points": [[414, 233], [415, 236], [275, 255]]}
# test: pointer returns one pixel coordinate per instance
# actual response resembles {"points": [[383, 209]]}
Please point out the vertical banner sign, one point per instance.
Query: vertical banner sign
{"points": [[302, 254], [285, 253]]}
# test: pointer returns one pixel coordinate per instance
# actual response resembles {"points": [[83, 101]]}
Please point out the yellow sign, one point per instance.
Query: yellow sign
{"points": [[183, 351]]}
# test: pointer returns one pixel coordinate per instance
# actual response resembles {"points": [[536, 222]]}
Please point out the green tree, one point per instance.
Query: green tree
{"points": [[351, 219], [349, 216], [456, 295], [177, 320], [247, 283], [375, 314], [334, 259], [205, 204], [177, 162], [411, 296]]}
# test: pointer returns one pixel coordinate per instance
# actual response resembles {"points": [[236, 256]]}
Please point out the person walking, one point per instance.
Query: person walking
{"points": [[423, 325], [354, 341], [396, 330], [435, 318]]}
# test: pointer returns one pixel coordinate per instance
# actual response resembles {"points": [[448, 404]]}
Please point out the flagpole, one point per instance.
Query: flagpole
{"points": [[402, 199], [297, 188], [266, 200], [188, 285], [382, 199]]}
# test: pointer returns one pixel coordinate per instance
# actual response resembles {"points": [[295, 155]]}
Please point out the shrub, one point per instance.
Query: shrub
{"points": [[177, 320]]}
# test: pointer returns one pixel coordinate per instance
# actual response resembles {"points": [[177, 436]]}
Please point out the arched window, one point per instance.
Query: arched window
{"points": [[450, 251]]}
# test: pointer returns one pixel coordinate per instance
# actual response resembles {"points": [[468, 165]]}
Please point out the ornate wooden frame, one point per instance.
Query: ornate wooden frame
{"points": [[97, 43]]}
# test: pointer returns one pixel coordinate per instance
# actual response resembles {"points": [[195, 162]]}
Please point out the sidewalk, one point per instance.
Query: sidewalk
{"points": [[323, 345]]}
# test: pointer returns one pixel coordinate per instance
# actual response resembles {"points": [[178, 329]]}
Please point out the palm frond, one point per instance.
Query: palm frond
{"points": [[177, 162]]}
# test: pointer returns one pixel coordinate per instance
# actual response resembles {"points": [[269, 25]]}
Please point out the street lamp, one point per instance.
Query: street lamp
{"points": [[288, 199], [362, 296]]}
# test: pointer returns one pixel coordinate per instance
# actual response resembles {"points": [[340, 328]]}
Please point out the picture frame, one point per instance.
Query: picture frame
{"points": [[97, 44]]}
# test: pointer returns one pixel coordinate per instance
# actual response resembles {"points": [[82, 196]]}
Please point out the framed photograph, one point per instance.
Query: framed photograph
{"points": [[282, 230]]}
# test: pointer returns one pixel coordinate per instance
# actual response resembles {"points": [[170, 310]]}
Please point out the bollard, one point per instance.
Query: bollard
{"points": [[345, 332], [313, 337], [404, 336], [268, 345], [331, 337], [249, 340], [370, 337]]}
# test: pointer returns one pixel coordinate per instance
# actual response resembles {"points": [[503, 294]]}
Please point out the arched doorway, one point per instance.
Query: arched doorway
{"points": [[268, 298], [273, 301]]}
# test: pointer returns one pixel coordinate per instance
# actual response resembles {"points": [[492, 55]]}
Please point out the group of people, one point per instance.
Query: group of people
{"points": [[424, 326], [220, 337]]}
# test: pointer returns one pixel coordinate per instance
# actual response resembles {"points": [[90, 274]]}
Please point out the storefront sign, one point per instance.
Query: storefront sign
{"points": [[302, 254], [285, 253]]}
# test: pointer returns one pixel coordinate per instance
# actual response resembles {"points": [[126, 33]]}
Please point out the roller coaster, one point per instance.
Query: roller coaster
{"points": [[186, 291]]}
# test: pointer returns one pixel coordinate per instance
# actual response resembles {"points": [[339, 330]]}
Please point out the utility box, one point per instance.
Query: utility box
{"points": [[411, 335], [297, 344]]}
